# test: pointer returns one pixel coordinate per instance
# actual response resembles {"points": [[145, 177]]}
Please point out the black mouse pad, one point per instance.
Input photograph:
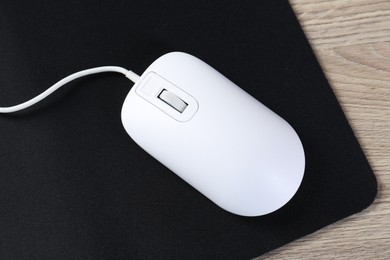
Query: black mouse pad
{"points": [[73, 185]]}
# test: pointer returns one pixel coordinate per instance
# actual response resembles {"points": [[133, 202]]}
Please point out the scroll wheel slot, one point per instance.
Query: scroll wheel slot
{"points": [[172, 100]]}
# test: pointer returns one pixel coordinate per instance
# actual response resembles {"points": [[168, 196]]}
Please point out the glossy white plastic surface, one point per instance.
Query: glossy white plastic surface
{"points": [[226, 144]]}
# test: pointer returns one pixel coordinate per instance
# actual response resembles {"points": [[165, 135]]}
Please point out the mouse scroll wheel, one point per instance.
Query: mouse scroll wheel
{"points": [[172, 100]]}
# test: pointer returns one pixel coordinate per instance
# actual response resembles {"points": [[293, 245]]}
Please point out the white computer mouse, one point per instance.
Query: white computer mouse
{"points": [[214, 135]]}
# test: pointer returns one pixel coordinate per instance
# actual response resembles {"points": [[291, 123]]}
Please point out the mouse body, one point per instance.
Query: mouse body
{"points": [[214, 135]]}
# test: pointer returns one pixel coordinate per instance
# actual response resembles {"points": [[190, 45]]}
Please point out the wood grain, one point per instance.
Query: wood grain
{"points": [[352, 42]]}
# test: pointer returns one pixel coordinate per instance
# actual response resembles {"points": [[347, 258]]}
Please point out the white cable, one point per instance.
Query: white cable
{"points": [[128, 73]]}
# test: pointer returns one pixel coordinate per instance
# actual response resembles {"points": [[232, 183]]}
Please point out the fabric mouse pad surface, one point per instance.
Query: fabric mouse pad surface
{"points": [[73, 185]]}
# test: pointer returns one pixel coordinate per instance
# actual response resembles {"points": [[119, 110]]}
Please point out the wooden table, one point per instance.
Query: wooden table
{"points": [[352, 41]]}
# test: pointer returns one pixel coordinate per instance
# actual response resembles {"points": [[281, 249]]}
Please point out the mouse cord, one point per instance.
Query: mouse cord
{"points": [[128, 73]]}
